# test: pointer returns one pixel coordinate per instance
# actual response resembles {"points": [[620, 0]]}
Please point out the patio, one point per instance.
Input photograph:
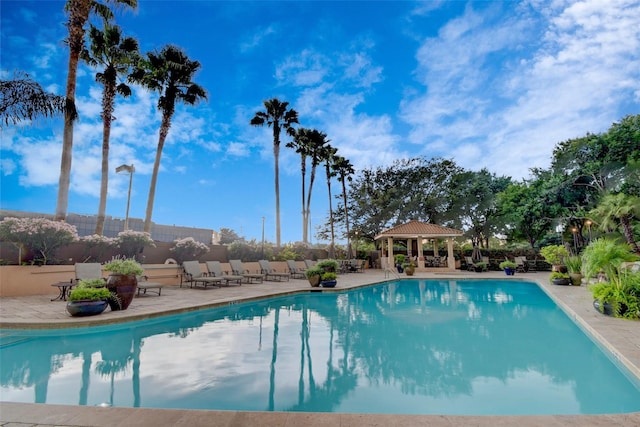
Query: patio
{"points": [[621, 337]]}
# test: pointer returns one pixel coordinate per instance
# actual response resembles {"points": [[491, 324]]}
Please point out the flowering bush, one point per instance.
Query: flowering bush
{"points": [[96, 245], [40, 235], [188, 248], [131, 243]]}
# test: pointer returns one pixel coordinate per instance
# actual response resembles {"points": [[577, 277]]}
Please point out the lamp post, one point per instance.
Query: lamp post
{"points": [[262, 238], [575, 243], [588, 222], [357, 241], [130, 169]]}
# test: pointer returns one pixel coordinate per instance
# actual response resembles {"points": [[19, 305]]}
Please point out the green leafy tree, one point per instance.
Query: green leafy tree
{"points": [[78, 15], [115, 55], [278, 116], [228, 236], [169, 72], [22, 98]]}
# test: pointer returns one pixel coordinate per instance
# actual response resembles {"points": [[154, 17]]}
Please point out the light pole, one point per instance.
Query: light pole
{"points": [[574, 231], [357, 241], [262, 257], [589, 227], [130, 169]]}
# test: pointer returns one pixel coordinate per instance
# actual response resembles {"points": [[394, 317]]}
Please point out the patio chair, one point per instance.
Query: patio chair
{"points": [[215, 270], [309, 263], [144, 285], [270, 273], [238, 269], [521, 266], [296, 273], [87, 271], [193, 275]]}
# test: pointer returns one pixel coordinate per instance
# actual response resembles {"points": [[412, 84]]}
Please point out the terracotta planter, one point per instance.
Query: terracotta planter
{"points": [[576, 279], [124, 286], [314, 281], [86, 307], [410, 271]]}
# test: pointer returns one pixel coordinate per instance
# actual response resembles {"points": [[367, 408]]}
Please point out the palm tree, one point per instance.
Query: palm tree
{"points": [[301, 144], [24, 99], [170, 73], [116, 54], [328, 156], [317, 142], [78, 11], [344, 169], [278, 116], [619, 209]]}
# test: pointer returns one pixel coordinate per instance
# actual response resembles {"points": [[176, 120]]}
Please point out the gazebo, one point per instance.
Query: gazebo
{"points": [[416, 232]]}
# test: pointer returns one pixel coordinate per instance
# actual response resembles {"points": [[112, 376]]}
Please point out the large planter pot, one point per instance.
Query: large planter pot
{"points": [[561, 282], [576, 279], [605, 308], [86, 307], [509, 271], [314, 281], [329, 283], [124, 286], [410, 271], [399, 268]]}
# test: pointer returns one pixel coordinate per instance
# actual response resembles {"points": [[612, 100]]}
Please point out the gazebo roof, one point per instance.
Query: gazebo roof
{"points": [[414, 229]]}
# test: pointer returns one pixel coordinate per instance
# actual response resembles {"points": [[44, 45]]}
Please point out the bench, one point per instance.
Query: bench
{"points": [[144, 286]]}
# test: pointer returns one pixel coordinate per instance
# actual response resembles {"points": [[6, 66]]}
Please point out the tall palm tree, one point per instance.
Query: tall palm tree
{"points": [[301, 144], [170, 73], [78, 11], [116, 54], [619, 209], [328, 154], [317, 142], [344, 169], [278, 116]]}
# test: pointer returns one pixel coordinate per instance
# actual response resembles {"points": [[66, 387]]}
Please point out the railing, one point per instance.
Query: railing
{"points": [[389, 272]]}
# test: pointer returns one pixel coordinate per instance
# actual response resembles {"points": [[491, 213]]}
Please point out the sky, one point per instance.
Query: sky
{"points": [[489, 84]]}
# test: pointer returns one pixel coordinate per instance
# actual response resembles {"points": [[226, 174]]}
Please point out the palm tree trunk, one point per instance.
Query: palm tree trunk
{"points": [[346, 216], [276, 154], [305, 219], [78, 16], [107, 112], [332, 249], [628, 233], [164, 131]]}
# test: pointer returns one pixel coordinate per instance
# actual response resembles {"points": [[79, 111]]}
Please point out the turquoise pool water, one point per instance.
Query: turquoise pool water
{"points": [[409, 347]]}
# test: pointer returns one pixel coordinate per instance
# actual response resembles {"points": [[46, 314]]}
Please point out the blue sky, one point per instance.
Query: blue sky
{"points": [[487, 83]]}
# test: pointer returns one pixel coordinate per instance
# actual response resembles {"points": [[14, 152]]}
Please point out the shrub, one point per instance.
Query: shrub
{"points": [[188, 249], [89, 293], [328, 276], [124, 266], [573, 263], [313, 271], [554, 254], [508, 264], [96, 245], [131, 243], [92, 283], [40, 235], [329, 265]]}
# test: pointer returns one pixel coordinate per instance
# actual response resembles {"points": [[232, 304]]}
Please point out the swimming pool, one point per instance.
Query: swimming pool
{"points": [[412, 347]]}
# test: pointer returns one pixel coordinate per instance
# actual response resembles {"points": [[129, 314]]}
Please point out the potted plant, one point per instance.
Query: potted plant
{"points": [[509, 267], [314, 275], [574, 266], [409, 267], [618, 292], [554, 255], [480, 266], [123, 280], [399, 259], [328, 265], [328, 280], [89, 298], [559, 278]]}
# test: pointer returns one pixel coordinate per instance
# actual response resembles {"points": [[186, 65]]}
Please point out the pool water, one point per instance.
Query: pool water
{"points": [[405, 347]]}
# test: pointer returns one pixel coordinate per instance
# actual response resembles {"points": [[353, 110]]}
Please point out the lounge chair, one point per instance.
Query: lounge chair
{"points": [[215, 270], [144, 285], [296, 273], [238, 269], [309, 263], [521, 266], [193, 275], [270, 273], [87, 271], [472, 266]]}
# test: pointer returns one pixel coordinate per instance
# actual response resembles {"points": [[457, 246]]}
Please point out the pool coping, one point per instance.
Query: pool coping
{"points": [[624, 345]]}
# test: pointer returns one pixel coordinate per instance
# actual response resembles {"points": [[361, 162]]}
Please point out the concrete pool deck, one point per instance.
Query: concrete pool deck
{"points": [[620, 337]]}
